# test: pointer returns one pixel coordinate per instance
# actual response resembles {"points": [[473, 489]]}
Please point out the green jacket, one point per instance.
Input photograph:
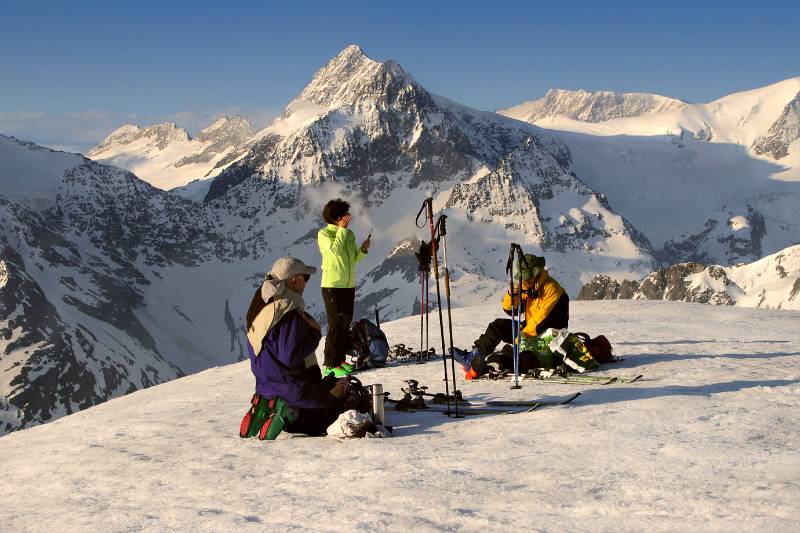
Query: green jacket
{"points": [[339, 257]]}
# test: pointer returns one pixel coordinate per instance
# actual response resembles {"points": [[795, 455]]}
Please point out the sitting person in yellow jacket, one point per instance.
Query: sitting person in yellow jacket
{"points": [[545, 304]]}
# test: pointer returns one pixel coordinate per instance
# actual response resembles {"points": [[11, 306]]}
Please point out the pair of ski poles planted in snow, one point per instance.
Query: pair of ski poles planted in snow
{"points": [[516, 304], [438, 233]]}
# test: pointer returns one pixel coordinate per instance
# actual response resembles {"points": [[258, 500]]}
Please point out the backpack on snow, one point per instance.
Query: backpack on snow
{"points": [[555, 347], [599, 347], [370, 344]]}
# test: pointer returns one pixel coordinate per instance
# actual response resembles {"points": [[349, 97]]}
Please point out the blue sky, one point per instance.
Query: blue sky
{"points": [[71, 72]]}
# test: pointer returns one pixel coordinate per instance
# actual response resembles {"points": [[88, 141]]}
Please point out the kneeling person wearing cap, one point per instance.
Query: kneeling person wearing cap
{"points": [[291, 394], [545, 303]]}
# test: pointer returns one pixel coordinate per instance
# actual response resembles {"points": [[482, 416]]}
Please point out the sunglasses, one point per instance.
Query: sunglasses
{"points": [[306, 277]]}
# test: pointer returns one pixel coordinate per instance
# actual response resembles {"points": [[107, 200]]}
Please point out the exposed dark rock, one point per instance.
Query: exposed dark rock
{"points": [[601, 287], [783, 132]]}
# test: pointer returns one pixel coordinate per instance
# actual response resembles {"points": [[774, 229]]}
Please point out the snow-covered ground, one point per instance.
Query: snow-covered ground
{"points": [[709, 440]]}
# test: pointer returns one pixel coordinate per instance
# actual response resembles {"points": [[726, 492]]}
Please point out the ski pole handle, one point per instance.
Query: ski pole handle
{"points": [[429, 203], [510, 261], [521, 256], [441, 226]]}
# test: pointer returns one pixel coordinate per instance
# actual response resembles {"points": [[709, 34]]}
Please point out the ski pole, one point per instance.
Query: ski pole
{"points": [[424, 258], [510, 272], [514, 313], [427, 205], [428, 315], [421, 314], [520, 262], [441, 230], [517, 333]]}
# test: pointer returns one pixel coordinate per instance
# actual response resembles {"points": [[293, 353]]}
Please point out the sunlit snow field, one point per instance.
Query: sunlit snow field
{"points": [[708, 440]]}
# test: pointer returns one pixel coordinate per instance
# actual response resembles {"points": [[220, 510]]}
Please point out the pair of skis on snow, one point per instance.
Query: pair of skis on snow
{"points": [[580, 379], [553, 376], [414, 400]]}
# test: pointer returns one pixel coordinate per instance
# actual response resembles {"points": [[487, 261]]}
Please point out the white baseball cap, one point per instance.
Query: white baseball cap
{"points": [[286, 267]]}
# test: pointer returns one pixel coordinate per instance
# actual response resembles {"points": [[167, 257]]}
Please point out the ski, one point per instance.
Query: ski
{"points": [[548, 376], [537, 403], [471, 410], [575, 380], [413, 401], [481, 409], [587, 380]]}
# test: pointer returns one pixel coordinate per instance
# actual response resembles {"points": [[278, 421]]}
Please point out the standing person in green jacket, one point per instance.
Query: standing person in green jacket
{"points": [[337, 244]]}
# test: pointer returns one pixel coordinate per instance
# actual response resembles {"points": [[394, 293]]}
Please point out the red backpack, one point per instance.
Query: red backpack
{"points": [[599, 347]]}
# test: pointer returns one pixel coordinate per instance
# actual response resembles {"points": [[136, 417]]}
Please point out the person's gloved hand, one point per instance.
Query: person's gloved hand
{"points": [[341, 388], [527, 343]]}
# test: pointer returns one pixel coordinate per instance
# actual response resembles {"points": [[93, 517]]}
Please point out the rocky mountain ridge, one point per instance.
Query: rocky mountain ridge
{"points": [[771, 283], [783, 132]]}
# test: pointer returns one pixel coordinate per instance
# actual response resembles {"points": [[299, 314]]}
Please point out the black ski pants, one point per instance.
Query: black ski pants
{"points": [[313, 422], [339, 304], [500, 330]]}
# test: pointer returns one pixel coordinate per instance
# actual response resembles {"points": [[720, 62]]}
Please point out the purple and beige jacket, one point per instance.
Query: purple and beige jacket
{"points": [[285, 364]]}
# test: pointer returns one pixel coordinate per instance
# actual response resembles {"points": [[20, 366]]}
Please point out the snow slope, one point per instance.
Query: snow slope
{"points": [[706, 441], [31, 174]]}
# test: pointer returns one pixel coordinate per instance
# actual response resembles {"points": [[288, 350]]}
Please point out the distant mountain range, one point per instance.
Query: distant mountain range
{"points": [[109, 283], [713, 183], [772, 282], [587, 106], [167, 156], [709, 183]]}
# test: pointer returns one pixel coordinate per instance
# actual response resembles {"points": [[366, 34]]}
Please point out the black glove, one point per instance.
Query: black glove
{"points": [[424, 256]]}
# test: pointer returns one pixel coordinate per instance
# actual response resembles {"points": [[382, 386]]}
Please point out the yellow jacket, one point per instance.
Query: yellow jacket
{"points": [[339, 257], [537, 309]]}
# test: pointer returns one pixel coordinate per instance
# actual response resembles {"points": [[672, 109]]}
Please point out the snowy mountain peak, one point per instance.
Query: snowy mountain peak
{"points": [[157, 136], [167, 156], [595, 106], [351, 78], [125, 134], [352, 52], [231, 129], [166, 132]]}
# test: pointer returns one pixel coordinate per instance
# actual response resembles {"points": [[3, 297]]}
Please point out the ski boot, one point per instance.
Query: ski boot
{"points": [[473, 362], [255, 417], [281, 414], [343, 370]]}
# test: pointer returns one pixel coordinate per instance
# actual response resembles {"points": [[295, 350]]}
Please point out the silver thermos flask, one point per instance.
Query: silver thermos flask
{"points": [[378, 414]]}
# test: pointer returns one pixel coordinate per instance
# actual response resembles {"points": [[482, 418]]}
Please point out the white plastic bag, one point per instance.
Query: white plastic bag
{"points": [[354, 425], [350, 424]]}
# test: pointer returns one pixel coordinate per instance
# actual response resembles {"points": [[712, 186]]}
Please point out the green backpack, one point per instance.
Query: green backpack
{"points": [[557, 346]]}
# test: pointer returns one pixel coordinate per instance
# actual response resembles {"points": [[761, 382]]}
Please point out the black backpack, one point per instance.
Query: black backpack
{"points": [[599, 347], [370, 344]]}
